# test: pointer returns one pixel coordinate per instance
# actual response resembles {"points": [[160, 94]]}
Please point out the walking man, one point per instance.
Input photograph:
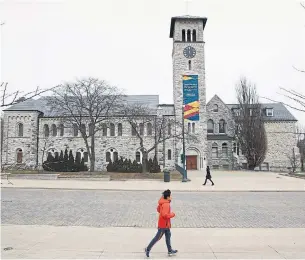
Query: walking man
{"points": [[164, 223], [208, 176]]}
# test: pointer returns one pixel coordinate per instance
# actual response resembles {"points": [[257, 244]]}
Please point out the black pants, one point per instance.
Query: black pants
{"points": [[210, 179], [159, 235]]}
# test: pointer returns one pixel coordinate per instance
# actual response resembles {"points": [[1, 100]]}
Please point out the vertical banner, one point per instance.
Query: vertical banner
{"points": [[190, 97]]}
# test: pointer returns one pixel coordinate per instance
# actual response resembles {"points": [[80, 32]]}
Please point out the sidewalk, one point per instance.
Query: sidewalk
{"points": [[128, 243], [224, 181]]}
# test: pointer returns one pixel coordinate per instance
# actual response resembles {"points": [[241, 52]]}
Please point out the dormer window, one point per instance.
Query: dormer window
{"points": [[269, 111], [236, 111]]}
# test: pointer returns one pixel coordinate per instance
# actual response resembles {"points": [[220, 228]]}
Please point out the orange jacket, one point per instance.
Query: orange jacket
{"points": [[165, 213]]}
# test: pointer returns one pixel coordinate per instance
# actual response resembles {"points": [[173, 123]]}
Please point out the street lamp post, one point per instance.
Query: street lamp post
{"points": [[183, 148]]}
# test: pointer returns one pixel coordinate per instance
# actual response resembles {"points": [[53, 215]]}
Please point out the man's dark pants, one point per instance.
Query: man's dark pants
{"points": [[210, 179], [159, 235]]}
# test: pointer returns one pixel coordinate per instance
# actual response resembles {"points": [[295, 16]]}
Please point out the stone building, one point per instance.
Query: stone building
{"points": [[32, 130]]}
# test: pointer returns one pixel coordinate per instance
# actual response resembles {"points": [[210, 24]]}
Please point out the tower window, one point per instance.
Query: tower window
{"points": [[190, 64], [183, 35], [188, 35], [194, 35]]}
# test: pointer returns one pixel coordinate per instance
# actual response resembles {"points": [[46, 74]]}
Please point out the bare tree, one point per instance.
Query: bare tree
{"points": [[250, 129], [294, 160], [89, 101], [159, 127], [12, 98]]}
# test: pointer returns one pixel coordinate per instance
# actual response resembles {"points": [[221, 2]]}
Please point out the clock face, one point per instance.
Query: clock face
{"points": [[189, 52]]}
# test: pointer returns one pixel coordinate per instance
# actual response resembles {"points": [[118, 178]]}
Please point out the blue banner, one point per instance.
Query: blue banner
{"points": [[190, 97]]}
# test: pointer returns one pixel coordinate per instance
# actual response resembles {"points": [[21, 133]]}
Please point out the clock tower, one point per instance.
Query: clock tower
{"points": [[189, 88]]}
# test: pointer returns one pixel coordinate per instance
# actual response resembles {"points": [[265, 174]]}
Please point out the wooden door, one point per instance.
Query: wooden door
{"points": [[191, 162]]}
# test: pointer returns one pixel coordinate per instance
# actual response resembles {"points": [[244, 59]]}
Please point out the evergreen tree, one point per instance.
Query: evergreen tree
{"points": [[109, 166], [77, 164], [71, 162], [66, 161], [55, 165], [61, 162]]}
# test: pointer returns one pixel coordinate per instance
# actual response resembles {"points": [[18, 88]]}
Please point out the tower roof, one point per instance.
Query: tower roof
{"points": [[185, 17]]}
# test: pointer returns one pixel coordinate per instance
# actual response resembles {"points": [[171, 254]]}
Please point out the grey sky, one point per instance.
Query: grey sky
{"points": [[44, 43]]}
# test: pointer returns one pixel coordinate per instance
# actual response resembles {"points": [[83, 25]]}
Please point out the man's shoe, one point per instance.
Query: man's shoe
{"points": [[213, 184], [146, 252], [172, 252]]}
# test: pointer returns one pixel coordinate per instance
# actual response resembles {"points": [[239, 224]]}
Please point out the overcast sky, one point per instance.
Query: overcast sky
{"points": [[44, 43]]}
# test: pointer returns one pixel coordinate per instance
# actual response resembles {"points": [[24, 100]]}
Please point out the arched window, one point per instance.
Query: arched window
{"points": [[61, 129], [210, 126], [91, 129], [112, 154], [190, 65], [214, 150], [20, 130], [141, 128], [108, 156], [75, 130], [224, 150], [104, 129], [138, 156], [189, 128], [149, 129], [236, 148], [194, 35], [169, 154], [54, 130], [169, 129], [83, 129], [188, 35], [183, 35], [46, 130], [19, 156], [120, 129], [133, 129], [112, 129], [215, 108], [222, 126], [193, 128]]}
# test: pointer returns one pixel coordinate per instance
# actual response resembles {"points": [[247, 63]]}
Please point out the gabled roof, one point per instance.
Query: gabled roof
{"points": [[185, 17], [280, 112], [42, 104], [216, 97]]}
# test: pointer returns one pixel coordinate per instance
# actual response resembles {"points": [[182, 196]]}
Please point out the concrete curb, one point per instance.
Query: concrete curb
{"points": [[153, 190]]}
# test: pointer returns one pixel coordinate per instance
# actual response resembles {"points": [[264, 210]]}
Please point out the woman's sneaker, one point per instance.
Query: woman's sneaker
{"points": [[172, 252], [146, 252]]}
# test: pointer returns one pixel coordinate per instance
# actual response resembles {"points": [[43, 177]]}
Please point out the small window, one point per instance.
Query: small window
{"points": [[120, 129], [215, 108], [104, 129], [149, 129], [115, 156], [19, 156], [225, 150], [236, 111], [210, 126], [236, 148], [222, 126], [112, 129], [75, 130], [54, 130], [193, 128], [169, 154], [169, 129], [189, 128], [183, 35], [46, 130], [190, 65], [61, 130], [141, 128], [269, 112], [20, 130], [214, 151], [188, 35], [138, 156], [133, 129], [83, 129], [194, 35], [108, 156]]}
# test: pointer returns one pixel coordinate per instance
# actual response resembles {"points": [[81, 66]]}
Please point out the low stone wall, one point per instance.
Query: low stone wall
{"points": [[32, 176]]}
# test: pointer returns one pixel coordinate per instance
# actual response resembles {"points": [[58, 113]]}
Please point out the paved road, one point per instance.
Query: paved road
{"points": [[137, 209]]}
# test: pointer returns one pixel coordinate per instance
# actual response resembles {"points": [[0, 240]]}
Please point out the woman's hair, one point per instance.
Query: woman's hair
{"points": [[166, 194]]}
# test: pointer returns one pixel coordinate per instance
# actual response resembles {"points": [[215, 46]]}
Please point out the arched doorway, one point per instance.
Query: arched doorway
{"points": [[192, 159]]}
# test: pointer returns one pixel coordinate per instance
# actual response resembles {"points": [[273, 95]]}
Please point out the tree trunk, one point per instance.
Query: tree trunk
{"points": [[92, 159], [144, 160]]}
